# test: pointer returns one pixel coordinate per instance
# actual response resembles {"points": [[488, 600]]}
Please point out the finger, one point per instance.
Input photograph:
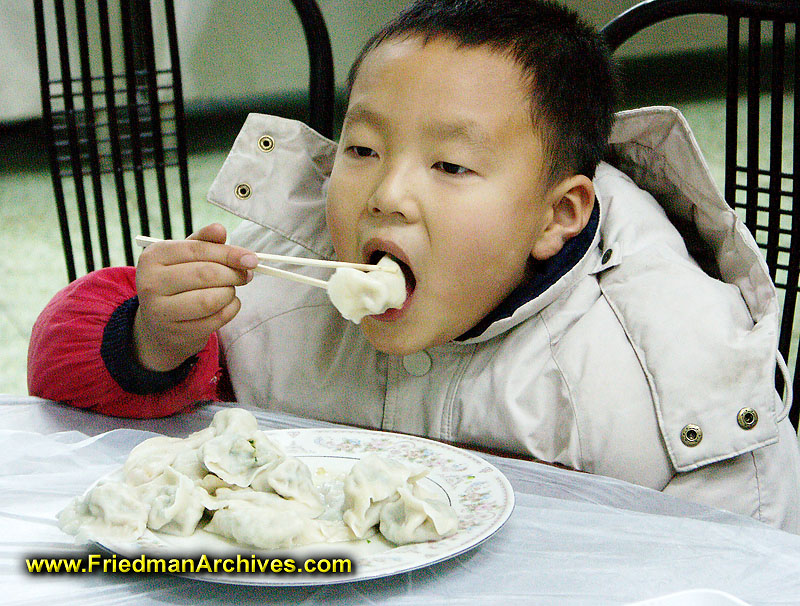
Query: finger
{"points": [[197, 275], [212, 323], [215, 232], [176, 252], [195, 304]]}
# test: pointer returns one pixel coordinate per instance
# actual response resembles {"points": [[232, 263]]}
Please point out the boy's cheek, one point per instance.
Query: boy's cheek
{"points": [[337, 224], [339, 242]]}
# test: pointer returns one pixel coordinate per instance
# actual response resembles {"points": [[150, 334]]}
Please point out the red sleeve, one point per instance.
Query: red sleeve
{"points": [[64, 361]]}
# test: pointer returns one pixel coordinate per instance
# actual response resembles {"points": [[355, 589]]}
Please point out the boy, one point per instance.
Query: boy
{"points": [[553, 309]]}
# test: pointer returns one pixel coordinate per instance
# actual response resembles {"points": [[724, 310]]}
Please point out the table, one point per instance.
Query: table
{"points": [[572, 539]]}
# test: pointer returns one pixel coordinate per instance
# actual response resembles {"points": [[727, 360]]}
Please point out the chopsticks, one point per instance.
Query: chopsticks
{"points": [[321, 262], [145, 241]]}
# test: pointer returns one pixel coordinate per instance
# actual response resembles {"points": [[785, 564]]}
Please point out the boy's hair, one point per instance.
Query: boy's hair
{"points": [[571, 79]]}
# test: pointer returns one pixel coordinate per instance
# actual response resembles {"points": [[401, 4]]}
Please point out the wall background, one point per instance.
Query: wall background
{"points": [[235, 51]]}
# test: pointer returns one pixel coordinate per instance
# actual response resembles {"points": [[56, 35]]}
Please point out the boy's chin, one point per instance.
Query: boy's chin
{"points": [[391, 339]]}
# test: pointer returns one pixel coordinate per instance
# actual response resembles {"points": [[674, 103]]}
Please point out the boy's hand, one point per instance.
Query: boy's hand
{"points": [[186, 292]]}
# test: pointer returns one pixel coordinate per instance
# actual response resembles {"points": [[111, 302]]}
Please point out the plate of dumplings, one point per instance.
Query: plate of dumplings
{"points": [[220, 503]]}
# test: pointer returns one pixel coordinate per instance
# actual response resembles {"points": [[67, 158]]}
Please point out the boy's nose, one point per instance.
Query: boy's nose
{"points": [[396, 196]]}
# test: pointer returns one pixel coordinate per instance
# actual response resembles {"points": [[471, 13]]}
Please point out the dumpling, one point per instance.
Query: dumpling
{"points": [[268, 500], [415, 518], [109, 510], [237, 457], [234, 420], [149, 459], [373, 482], [251, 524], [273, 527], [176, 503], [188, 463], [357, 294], [239, 449], [291, 479]]}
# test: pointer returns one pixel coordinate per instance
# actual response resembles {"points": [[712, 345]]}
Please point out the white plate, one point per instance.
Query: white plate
{"points": [[480, 494]]}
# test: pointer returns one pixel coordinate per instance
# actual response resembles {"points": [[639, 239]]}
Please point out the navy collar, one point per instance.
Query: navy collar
{"points": [[540, 276]]}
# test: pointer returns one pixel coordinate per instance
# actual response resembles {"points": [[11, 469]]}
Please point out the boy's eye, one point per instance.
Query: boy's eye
{"points": [[451, 169], [362, 151]]}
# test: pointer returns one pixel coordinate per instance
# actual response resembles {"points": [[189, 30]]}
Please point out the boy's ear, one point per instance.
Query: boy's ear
{"points": [[568, 207]]}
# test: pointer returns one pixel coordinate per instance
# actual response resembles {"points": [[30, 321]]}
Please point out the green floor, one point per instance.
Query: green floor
{"points": [[32, 265]]}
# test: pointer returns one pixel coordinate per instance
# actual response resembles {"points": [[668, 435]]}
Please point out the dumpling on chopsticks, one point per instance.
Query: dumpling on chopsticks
{"points": [[357, 294]]}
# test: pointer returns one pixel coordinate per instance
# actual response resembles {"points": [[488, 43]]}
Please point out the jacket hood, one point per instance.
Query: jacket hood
{"points": [[287, 183]]}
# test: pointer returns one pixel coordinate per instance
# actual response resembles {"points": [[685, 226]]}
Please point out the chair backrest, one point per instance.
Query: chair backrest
{"points": [[113, 115], [762, 136], [321, 85], [114, 119]]}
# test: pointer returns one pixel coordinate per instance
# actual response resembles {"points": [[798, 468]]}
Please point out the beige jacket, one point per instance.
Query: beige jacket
{"points": [[637, 364]]}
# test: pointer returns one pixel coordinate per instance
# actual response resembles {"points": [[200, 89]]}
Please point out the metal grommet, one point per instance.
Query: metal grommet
{"points": [[606, 256], [747, 418], [266, 143], [243, 191], [691, 435]]}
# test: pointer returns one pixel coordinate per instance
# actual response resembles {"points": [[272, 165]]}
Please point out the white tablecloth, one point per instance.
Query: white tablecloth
{"points": [[572, 539]]}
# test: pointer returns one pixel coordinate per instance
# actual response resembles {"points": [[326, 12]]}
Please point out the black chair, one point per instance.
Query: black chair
{"points": [[114, 118], [768, 197]]}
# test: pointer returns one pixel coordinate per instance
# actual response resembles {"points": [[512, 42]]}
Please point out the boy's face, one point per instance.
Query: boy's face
{"points": [[439, 165]]}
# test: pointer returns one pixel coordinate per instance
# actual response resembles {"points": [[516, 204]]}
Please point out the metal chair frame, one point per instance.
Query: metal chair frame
{"points": [[111, 122], [131, 122], [766, 207], [321, 85]]}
